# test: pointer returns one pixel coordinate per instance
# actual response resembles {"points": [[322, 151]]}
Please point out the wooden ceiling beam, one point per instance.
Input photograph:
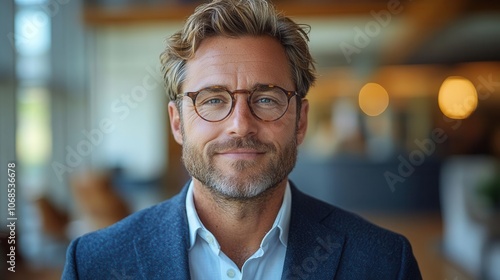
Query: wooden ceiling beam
{"points": [[423, 19], [97, 15]]}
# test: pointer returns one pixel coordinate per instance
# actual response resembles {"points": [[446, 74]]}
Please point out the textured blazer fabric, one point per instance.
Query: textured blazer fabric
{"points": [[324, 242]]}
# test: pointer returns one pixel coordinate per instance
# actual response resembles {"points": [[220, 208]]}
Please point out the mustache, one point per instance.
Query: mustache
{"points": [[240, 143]]}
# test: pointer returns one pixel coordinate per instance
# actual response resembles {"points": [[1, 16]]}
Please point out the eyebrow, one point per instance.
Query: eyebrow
{"points": [[256, 85]]}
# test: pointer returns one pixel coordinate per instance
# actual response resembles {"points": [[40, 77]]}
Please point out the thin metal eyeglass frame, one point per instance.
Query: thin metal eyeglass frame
{"points": [[193, 94]]}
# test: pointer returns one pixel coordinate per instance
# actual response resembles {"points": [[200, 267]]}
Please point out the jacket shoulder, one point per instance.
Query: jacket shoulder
{"points": [[113, 250], [338, 219], [167, 213], [368, 250]]}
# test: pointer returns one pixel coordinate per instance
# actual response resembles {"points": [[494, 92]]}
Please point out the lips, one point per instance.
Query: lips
{"points": [[240, 154], [240, 147], [241, 151]]}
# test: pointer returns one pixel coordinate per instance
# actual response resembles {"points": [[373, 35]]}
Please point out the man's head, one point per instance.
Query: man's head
{"points": [[236, 18], [242, 47]]}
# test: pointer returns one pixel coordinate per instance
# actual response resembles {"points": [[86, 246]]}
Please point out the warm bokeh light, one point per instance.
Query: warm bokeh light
{"points": [[373, 99], [457, 97]]}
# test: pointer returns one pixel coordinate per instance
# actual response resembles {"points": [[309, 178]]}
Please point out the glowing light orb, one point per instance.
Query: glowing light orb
{"points": [[373, 99], [457, 97]]}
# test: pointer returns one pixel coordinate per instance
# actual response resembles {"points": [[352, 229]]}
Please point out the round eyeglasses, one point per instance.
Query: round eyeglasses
{"points": [[266, 102]]}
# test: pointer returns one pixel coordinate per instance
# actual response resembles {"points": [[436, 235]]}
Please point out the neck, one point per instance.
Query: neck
{"points": [[238, 225]]}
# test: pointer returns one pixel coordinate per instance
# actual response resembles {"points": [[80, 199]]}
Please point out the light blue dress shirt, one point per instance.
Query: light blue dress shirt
{"points": [[207, 261]]}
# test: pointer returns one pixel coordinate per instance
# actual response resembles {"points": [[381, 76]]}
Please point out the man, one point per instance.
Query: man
{"points": [[237, 75]]}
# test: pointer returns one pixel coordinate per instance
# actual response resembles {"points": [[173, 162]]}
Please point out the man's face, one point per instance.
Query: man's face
{"points": [[241, 156]]}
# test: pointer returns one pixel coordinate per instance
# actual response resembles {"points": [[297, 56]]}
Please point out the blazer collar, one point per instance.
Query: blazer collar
{"points": [[314, 250], [161, 251]]}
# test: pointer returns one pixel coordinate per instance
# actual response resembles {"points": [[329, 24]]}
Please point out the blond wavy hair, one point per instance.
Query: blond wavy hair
{"points": [[235, 18]]}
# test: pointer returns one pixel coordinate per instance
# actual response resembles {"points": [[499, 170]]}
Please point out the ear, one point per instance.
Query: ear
{"points": [[175, 121], [302, 125]]}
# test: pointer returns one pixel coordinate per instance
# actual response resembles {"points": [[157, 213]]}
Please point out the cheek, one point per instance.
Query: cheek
{"points": [[281, 134], [199, 132], [190, 120]]}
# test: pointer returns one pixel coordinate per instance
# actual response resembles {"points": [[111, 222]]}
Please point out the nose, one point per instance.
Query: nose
{"points": [[241, 122]]}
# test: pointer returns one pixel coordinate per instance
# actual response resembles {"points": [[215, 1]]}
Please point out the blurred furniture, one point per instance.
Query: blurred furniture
{"points": [[54, 221], [100, 204], [471, 233], [358, 184]]}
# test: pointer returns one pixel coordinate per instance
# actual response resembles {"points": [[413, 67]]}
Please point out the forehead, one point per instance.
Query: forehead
{"points": [[238, 63]]}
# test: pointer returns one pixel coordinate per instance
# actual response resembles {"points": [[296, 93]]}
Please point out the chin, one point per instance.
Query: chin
{"points": [[242, 191]]}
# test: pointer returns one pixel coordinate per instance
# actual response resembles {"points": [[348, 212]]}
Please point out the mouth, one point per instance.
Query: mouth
{"points": [[241, 149], [240, 154]]}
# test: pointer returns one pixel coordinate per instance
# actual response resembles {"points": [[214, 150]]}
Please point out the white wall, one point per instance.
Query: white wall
{"points": [[128, 101]]}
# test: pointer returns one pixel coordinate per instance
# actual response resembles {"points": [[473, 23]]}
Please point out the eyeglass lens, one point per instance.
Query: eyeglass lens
{"points": [[267, 103]]}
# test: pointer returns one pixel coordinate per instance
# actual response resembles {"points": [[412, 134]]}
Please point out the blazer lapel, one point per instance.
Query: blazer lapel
{"points": [[313, 250], [162, 253]]}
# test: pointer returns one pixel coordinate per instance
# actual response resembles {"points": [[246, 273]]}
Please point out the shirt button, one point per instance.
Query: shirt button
{"points": [[230, 273]]}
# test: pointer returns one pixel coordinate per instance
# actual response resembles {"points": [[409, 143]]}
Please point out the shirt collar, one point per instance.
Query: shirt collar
{"points": [[193, 220], [282, 221]]}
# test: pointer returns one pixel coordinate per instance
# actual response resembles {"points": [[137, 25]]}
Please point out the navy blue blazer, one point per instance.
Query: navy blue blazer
{"points": [[324, 242]]}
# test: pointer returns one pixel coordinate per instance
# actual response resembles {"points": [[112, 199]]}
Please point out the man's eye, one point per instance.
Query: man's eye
{"points": [[268, 100], [265, 100], [217, 99], [213, 101]]}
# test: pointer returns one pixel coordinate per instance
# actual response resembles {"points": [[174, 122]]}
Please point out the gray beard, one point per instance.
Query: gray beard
{"points": [[263, 178]]}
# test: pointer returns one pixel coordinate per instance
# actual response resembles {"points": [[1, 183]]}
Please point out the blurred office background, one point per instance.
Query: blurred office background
{"points": [[404, 122]]}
